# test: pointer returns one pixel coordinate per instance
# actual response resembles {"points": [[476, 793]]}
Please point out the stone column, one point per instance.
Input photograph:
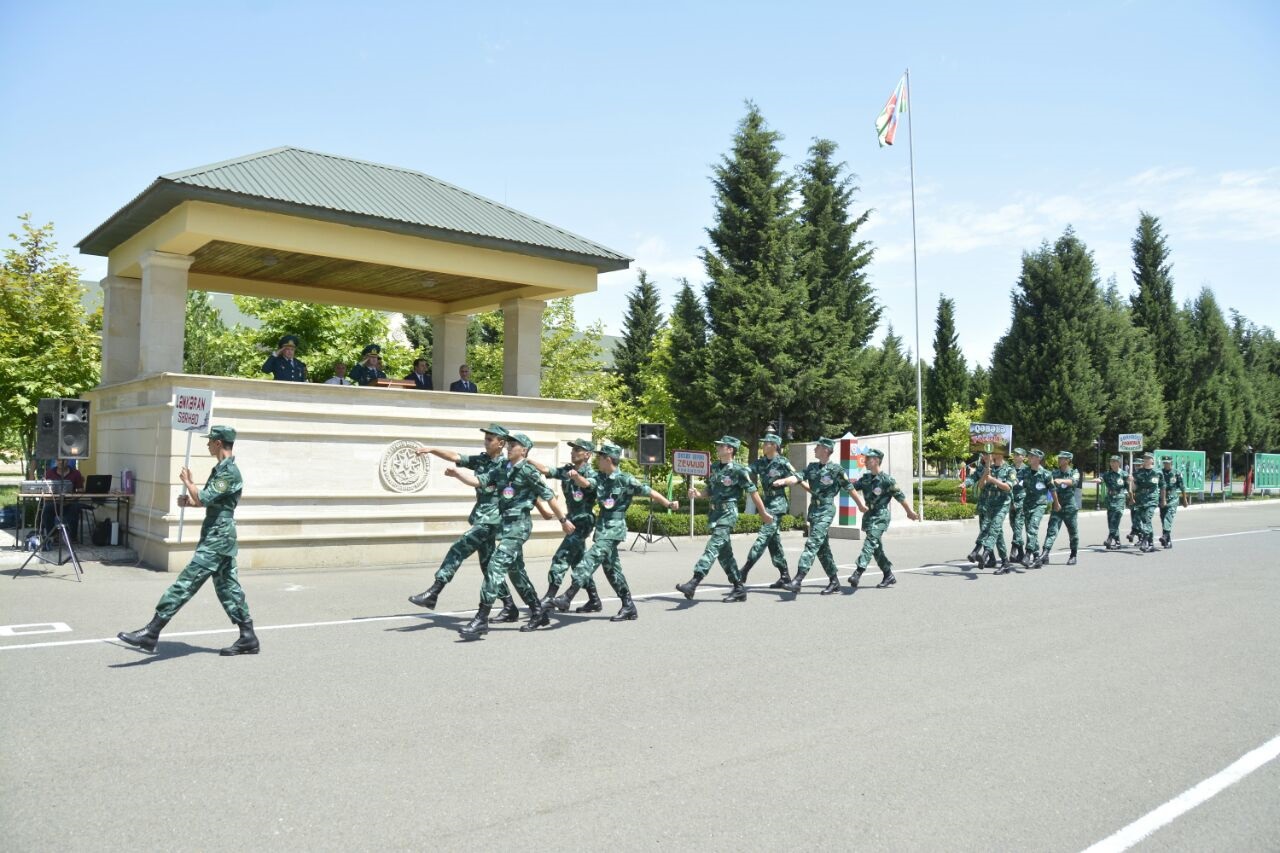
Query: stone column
{"points": [[448, 348], [121, 304], [522, 347], [163, 312]]}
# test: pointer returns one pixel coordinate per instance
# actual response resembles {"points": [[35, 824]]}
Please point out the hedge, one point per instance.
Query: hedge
{"points": [[677, 523], [948, 511]]}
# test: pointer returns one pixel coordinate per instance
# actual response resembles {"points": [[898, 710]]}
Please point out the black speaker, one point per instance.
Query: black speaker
{"points": [[652, 444], [62, 429]]}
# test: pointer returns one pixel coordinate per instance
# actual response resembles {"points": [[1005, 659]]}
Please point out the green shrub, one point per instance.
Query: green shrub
{"points": [[677, 523], [947, 511], [942, 490]]}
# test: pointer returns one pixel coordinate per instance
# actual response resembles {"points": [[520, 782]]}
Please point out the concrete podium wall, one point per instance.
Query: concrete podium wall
{"points": [[311, 456]]}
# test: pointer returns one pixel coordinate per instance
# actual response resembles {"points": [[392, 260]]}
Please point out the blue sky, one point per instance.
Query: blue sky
{"points": [[605, 120]]}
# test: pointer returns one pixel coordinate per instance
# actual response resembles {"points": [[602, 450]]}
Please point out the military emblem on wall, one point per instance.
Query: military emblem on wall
{"points": [[402, 469]]}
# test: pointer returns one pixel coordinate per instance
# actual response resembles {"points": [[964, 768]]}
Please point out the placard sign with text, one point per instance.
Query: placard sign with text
{"points": [[192, 409], [984, 438], [1130, 442], [691, 463]]}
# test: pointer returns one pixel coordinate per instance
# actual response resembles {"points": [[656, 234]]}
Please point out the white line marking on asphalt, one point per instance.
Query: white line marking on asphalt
{"points": [[43, 628], [1188, 800]]}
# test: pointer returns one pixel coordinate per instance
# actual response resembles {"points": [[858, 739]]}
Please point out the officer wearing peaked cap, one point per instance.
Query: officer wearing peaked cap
{"points": [[282, 365], [370, 367]]}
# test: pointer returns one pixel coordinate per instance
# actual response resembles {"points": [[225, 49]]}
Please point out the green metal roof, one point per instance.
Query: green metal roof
{"points": [[352, 192]]}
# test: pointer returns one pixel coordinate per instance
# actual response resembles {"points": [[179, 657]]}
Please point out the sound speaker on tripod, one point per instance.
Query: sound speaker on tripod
{"points": [[62, 429], [652, 444]]}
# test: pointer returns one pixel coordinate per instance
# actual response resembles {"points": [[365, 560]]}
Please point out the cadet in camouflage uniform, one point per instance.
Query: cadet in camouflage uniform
{"points": [[768, 467], [578, 504], [1065, 482], [1173, 493], [520, 486], [1146, 496], [971, 487], [484, 520], [1040, 493], [1117, 485], [215, 555], [878, 488], [822, 479], [728, 481], [614, 490], [1017, 513], [996, 492]]}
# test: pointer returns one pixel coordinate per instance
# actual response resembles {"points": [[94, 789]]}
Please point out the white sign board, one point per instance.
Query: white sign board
{"points": [[691, 463], [192, 409], [1130, 442]]}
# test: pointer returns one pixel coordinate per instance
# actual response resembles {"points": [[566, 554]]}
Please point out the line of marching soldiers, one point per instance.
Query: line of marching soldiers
{"points": [[1025, 490]]}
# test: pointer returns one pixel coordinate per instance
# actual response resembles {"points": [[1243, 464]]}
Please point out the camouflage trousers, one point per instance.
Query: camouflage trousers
{"points": [[571, 550], [204, 565], [983, 512], [479, 540], [1115, 512], [817, 547], [508, 558], [769, 537], [1142, 514], [873, 528], [1017, 519], [603, 552], [991, 534], [1057, 518], [719, 546], [1033, 516], [1167, 512]]}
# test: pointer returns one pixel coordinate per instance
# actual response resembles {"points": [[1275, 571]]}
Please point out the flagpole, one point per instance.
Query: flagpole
{"points": [[915, 284]]}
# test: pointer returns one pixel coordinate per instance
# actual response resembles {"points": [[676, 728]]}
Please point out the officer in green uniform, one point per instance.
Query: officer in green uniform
{"points": [[1040, 494], [520, 486], [578, 504], [484, 520], [370, 366], [215, 555], [822, 480], [1146, 487], [996, 490], [1173, 493], [614, 490], [1065, 482], [979, 472], [1017, 513], [729, 480], [877, 488], [768, 467], [1117, 485]]}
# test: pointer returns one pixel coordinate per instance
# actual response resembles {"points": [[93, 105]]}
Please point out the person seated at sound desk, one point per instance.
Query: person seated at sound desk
{"points": [[62, 470]]}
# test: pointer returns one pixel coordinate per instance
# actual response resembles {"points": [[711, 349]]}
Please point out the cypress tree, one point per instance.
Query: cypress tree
{"points": [[947, 382], [640, 327], [1260, 352], [1153, 305], [1133, 401], [686, 375], [1213, 418]]}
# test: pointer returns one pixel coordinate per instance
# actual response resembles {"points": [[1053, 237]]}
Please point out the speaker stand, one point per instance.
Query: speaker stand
{"points": [[646, 535], [59, 530]]}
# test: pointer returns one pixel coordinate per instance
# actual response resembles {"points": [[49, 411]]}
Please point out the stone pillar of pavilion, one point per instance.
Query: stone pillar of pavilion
{"points": [[448, 348], [162, 312], [121, 308], [522, 347]]}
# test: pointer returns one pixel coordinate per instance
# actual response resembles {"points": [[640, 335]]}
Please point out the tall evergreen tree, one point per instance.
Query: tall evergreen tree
{"points": [[979, 384], [891, 385], [1043, 377], [756, 302], [1212, 417], [1154, 308], [417, 331], [1132, 398], [1260, 351], [947, 382], [687, 372], [640, 327]]}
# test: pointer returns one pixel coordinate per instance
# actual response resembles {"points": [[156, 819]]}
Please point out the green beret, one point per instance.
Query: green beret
{"points": [[1065, 454], [1039, 454], [496, 429], [288, 339], [521, 439], [828, 443], [772, 438], [874, 453], [582, 444], [609, 449], [729, 441], [371, 348], [225, 434]]}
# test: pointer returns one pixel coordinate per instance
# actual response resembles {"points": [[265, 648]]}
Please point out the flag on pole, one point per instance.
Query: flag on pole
{"points": [[887, 122]]}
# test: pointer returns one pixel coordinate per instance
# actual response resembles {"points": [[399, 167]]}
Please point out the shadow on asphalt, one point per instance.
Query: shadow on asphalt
{"points": [[48, 572], [948, 570], [424, 622], [164, 651]]}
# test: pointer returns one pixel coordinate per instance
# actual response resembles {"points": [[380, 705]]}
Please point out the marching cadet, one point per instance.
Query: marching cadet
{"points": [[484, 520], [1017, 512], [520, 486], [770, 466], [1117, 496], [822, 479], [1173, 493], [728, 481], [215, 555], [1065, 483], [971, 484], [614, 490], [578, 504], [370, 366], [1146, 487], [281, 364], [996, 492], [878, 488], [1040, 493]]}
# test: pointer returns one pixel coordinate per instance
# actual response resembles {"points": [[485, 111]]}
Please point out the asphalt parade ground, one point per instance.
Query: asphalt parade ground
{"points": [[1129, 700]]}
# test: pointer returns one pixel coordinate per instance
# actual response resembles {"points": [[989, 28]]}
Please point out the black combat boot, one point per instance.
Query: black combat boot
{"points": [[628, 612], [982, 558], [1036, 562], [738, 593], [689, 587], [796, 583], [539, 617], [782, 582], [1166, 539], [856, 576], [1015, 554], [832, 587], [1044, 556], [1132, 535], [593, 604], [991, 559], [145, 638], [888, 580], [479, 623], [975, 556], [246, 645], [1071, 561], [1004, 566], [562, 602], [746, 569], [509, 611], [428, 599]]}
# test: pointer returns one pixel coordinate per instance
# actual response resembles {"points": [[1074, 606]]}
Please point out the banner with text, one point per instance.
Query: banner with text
{"points": [[691, 463], [192, 409], [1130, 442], [984, 438]]}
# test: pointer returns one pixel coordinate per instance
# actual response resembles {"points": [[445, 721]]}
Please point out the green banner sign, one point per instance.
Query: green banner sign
{"points": [[1190, 462], [1266, 471]]}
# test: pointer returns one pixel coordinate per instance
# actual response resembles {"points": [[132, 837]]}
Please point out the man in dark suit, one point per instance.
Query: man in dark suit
{"points": [[464, 383], [282, 365], [421, 376]]}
